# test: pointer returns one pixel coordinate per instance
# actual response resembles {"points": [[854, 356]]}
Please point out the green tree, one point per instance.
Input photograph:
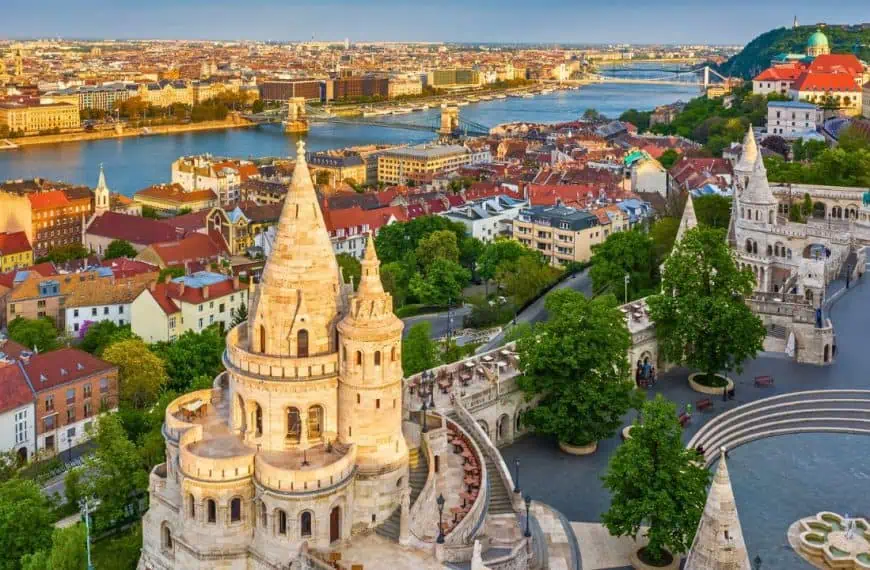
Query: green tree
{"points": [[191, 355], [592, 114], [576, 362], [396, 281], [101, 334], [418, 349], [441, 244], [64, 253], [119, 248], [141, 372], [629, 253], [470, 250], [39, 333], [395, 241], [150, 212], [25, 521], [654, 480], [238, 315], [702, 319], [72, 486], [639, 119], [258, 106], [525, 279], [115, 473], [10, 462], [68, 551], [669, 158], [663, 233], [172, 272], [713, 211], [497, 254], [351, 268], [441, 285]]}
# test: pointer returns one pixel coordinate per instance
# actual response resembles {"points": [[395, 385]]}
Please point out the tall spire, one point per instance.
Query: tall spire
{"points": [[688, 221], [757, 191], [749, 155], [300, 287], [370, 280], [718, 543], [101, 194]]}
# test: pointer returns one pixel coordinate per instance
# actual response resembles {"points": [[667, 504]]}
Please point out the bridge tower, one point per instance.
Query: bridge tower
{"points": [[449, 121], [296, 121]]}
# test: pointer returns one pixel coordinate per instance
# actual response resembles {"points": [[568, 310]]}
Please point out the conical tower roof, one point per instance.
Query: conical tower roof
{"points": [[757, 191], [749, 155], [688, 221], [300, 283], [101, 182], [718, 543], [371, 307]]}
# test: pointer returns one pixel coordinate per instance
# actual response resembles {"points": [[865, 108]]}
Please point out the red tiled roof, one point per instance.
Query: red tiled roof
{"points": [[194, 247], [50, 369], [436, 206], [165, 303], [134, 229], [356, 217], [167, 294], [176, 193], [810, 81], [575, 195], [123, 267], [14, 390], [15, 242], [780, 73], [455, 200], [837, 62], [50, 199], [187, 223]]}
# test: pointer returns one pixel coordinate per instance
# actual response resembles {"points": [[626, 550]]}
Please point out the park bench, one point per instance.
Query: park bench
{"points": [[764, 380], [704, 404]]}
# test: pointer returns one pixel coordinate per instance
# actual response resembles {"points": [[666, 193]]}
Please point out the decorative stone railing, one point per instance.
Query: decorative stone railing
{"points": [[519, 558], [306, 480], [819, 191], [174, 426], [215, 469], [421, 517], [268, 367], [472, 523], [484, 398]]}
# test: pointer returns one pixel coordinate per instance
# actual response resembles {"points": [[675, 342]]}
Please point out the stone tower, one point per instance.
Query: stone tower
{"points": [[758, 205], [688, 221], [370, 388], [718, 543], [102, 202], [744, 167]]}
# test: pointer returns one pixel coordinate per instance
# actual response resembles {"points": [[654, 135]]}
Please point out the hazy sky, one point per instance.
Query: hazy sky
{"points": [[566, 21]]}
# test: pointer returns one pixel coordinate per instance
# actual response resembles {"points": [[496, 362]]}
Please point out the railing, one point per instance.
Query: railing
{"points": [[518, 558], [464, 532], [482, 399], [420, 515]]}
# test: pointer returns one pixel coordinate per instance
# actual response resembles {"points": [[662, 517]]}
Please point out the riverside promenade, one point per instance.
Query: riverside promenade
{"points": [[774, 479]]}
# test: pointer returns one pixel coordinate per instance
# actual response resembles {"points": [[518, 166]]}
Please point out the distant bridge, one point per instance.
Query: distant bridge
{"points": [[296, 116], [702, 76]]}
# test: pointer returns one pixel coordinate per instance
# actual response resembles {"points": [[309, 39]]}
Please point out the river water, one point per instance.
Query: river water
{"points": [[135, 163]]}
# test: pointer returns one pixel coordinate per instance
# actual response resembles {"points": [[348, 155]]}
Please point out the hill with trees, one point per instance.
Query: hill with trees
{"points": [[757, 54]]}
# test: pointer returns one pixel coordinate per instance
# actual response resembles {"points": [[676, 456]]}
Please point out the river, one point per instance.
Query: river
{"points": [[135, 163]]}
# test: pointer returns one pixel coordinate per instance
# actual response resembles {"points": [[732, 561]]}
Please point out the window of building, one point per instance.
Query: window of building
{"points": [[120, 309], [70, 415], [105, 310], [20, 426], [75, 313], [294, 425], [200, 323], [49, 441], [377, 358], [93, 311], [76, 327], [282, 522], [88, 409], [236, 510], [221, 308], [48, 423], [86, 390], [358, 358], [191, 506], [49, 403], [211, 511], [305, 524], [70, 396], [104, 385], [315, 422], [302, 343], [71, 433]]}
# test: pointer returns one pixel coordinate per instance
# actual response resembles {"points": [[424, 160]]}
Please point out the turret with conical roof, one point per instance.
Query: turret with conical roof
{"points": [[688, 221], [757, 202], [101, 194], [296, 306], [370, 387], [718, 543], [744, 167]]}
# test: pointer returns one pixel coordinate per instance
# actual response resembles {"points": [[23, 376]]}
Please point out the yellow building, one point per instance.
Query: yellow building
{"points": [[561, 234], [332, 168], [32, 119], [15, 251], [170, 198], [417, 163], [166, 93]]}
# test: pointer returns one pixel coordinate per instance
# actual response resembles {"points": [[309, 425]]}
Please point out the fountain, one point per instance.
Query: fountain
{"points": [[829, 540]]}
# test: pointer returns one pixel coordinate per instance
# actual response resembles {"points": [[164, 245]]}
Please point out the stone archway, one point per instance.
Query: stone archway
{"points": [[820, 210], [335, 524], [503, 429], [484, 426]]}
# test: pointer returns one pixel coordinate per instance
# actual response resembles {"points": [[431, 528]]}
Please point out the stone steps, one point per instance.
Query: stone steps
{"points": [[418, 471], [389, 529]]}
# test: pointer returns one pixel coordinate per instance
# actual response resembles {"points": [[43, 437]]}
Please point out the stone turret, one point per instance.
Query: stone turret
{"points": [[744, 167], [718, 543], [757, 202], [688, 221], [296, 305], [102, 202]]}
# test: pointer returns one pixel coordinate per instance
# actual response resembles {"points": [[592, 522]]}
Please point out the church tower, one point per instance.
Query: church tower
{"points": [[370, 388], [101, 195]]}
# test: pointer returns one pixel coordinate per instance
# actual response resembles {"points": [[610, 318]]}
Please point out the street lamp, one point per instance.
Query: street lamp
{"points": [[423, 417], [626, 280], [85, 506], [517, 475], [528, 532], [440, 501]]}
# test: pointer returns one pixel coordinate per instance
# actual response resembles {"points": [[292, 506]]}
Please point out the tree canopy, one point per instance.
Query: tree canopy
{"points": [[418, 349], [101, 334], [441, 244], [119, 248], [831, 167], [191, 355], [68, 551], [629, 253], [713, 210], [64, 253], [655, 481], [141, 372], [34, 333], [25, 521], [442, 283], [663, 233], [577, 363], [702, 319], [669, 158], [351, 268], [395, 241]]}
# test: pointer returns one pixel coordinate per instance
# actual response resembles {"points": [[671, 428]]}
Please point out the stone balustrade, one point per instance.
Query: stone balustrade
{"points": [[174, 424], [421, 515], [472, 523], [208, 463], [306, 480]]}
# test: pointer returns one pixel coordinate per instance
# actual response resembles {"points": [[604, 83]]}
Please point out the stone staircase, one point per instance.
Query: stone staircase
{"points": [[499, 498], [418, 470]]}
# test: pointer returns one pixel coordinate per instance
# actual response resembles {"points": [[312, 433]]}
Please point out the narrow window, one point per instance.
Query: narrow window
{"points": [[211, 507], [235, 510], [358, 358], [305, 524], [302, 343], [282, 522], [377, 358]]}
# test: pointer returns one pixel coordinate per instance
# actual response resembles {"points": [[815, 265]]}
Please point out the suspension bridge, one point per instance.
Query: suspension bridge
{"points": [[702, 76], [296, 116]]}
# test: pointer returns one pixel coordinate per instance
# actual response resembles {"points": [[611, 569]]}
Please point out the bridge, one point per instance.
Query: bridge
{"points": [[297, 115], [702, 76]]}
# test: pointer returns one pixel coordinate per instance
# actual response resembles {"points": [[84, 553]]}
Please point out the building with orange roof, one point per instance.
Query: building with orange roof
{"points": [[15, 251], [838, 88], [349, 227], [195, 248], [106, 299], [203, 172], [777, 79], [171, 198]]}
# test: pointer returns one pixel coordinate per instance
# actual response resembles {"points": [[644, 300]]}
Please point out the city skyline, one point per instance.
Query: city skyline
{"points": [[549, 21]]}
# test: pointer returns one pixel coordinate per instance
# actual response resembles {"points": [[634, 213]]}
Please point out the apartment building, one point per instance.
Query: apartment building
{"points": [[106, 299], [103, 97], [170, 198], [280, 91], [15, 251], [792, 119], [561, 234], [488, 218], [165, 311], [35, 118], [17, 405], [333, 168], [416, 163]]}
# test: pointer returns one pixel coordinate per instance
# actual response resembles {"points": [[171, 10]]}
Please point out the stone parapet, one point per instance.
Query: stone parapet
{"points": [[308, 479], [268, 367], [202, 464]]}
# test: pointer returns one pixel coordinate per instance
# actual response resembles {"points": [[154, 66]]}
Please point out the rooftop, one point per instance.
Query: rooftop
{"points": [[15, 242], [134, 229], [427, 152]]}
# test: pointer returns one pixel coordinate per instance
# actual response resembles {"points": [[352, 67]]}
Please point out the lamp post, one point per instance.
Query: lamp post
{"points": [[528, 532], [85, 506], [423, 417], [517, 475], [440, 501], [626, 280]]}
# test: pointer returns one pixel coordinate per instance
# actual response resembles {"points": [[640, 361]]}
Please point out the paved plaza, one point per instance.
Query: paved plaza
{"points": [[573, 484]]}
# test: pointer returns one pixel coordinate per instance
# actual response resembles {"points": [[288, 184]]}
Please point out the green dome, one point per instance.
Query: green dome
{"points": [[818, 39]]}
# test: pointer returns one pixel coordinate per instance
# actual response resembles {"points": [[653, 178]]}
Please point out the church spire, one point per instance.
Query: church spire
{"points": [[370, 280], [101, 194], [688, 221], [718, 543], [300, 288], [748, 157]]}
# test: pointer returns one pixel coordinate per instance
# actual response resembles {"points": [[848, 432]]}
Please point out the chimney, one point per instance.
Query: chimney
{"points": [[205, 292]]}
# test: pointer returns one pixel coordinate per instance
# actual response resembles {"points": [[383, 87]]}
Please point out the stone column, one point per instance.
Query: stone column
{"points": [[405, 517]]}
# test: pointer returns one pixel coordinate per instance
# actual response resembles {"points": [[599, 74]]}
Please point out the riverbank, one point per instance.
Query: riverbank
{"points": [[229, 123]]}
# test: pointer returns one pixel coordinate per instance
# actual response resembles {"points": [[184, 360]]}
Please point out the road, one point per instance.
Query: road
{"points": [[439, 321]]}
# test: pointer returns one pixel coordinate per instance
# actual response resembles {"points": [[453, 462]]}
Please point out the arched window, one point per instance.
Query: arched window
{"points": [[377, 358], [191, 505], [302, 343], [394, 354], [264, 521], [211, 511], [258, 420], [769, 250], [305, 524], [236, 510], [282, 522], [358, 358], [262, 339], [315, 422], [294, 425], [770, 217], [748, 246], [167, 536], [755, 247], [344, 354]]}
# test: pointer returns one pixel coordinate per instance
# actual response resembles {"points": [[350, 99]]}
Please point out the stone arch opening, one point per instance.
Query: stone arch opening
{"points": [[305, 524], [281, 524], [302, 343], [294, 425], [377, 358], [211, 511], [166, 536], [258, 420], [235, 509], [334, 524], [358, 358], [826, 357], [242, 415], [262, 339], [315, 422], [819, 210], [503, 426], [191, 506]]}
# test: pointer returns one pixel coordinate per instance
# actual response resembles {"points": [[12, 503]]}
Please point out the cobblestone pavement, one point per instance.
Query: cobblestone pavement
{"points": [[573, 484]]}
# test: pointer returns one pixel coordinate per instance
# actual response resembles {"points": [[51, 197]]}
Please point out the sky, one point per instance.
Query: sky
{"points": [[544, 21]]}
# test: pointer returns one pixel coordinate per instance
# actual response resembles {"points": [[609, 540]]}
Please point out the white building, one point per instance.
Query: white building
{"points": [[224, 178], [106, 299], [17, 409], [792, 119], [488, 218]]}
